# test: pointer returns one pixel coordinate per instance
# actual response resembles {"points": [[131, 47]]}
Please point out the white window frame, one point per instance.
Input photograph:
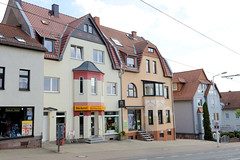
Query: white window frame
{"points": [[130, 62], [154, 67], [51, 84], [110, 88], [93, 85], [227, 116], [174, 86], [98, 57], [52, 44], [147, 66], [75, 52]]}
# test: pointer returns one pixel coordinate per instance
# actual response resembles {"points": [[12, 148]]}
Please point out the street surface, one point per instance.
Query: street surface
{"points": [[129, 150]]}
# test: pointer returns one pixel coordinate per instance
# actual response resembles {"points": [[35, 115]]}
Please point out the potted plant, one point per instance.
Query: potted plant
{"points": [[122, 135]]}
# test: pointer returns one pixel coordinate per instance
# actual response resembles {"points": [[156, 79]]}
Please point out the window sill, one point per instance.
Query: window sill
{"points": [[111, 94], [24, 89], [51, 92], [98, 62], [131, 97], [76, 59]]}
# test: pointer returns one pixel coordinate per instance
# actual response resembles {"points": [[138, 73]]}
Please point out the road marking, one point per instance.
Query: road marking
{"points": [[159, 157], [174, 156], [188, 154]]}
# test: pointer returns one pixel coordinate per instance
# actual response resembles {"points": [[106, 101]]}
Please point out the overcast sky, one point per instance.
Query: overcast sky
{"points": [[183, 48]]}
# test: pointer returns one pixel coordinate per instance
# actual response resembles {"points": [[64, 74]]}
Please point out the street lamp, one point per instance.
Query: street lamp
{"points": [[214, 104]]}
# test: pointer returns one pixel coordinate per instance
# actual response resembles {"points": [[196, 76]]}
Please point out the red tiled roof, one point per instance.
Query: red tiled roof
{"points": [[192, 79], [231, 99], [10, 32], [128, 45]]}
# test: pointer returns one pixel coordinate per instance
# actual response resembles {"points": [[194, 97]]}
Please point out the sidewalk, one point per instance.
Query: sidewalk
{"points": [[111, 150]]}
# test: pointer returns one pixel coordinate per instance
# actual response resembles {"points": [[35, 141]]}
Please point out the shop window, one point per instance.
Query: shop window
{"points": [[93, 85], [98, 56], [134, 120], [81, 85], [147, 66], [2, 75], [160, 120], [16, 122], [111, 122], [168, 116], [24, 79], [132, 91], [51, 84], [111, 88], [153, 88], [77, 52], [166, 95], [150, 117], [154, 67], [49, 44], [161, 135]]}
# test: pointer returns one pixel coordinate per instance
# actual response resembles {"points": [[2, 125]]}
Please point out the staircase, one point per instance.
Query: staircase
{"points": [[145, 136], [95, 139]]}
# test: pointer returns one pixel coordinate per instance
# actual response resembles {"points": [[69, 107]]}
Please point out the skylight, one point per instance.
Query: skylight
{"points": [[20, 40], [45, 22], [116, 42], [1, 36]]}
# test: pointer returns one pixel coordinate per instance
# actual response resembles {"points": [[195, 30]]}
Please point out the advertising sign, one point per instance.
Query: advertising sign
{"points": [[26, 128]]}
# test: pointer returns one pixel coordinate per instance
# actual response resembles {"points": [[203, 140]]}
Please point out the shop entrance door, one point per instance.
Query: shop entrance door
{"points": [[81, 125], [92, 126], [45, 127], [138, 119]]}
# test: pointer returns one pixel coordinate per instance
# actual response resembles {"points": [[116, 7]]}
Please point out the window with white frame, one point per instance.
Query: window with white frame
{"points": [[76, 52], [132, 90], [49, 44], [166, 95], [130, 62], [2, 75], [201, 88], [227, 115], [81, 85], [151, 50], [174, 86], [98, 56], [51, 84], [24, 79], [154, 67], [111, 88], [94, 85], [147, 66]]}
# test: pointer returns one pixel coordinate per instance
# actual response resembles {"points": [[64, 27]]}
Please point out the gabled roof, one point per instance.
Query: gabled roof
{"points": [[231, 100], [87, 66], [133, 46], [10, 33], [192, 80]]}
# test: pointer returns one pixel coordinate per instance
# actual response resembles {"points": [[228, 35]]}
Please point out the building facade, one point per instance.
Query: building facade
{"points": [[81, 89], [190, 90], [230, 119], [21, 89]]}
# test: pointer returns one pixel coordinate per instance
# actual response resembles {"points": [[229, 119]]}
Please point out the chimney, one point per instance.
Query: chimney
{"points": [[97, 21], [55, 10], [134, 34], [20, 2]]}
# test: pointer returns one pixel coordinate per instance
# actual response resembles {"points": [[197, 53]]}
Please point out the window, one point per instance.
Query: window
{"points": [[199, 102], [168, 116], [169, 132], [16, 122], [217, 116], [154, 67], [134, 120], [174, 86], [132, 91], [111, 122], [49, 45], [24, 78], [153, 89], [76, 52], [160, 120], [93, 85], [227, 115], [161, 135], [2, 74], [150, 117], [111, 88], [81, 85], [166, 92], [201, 88], [116, 42], [20, 39], [151, 50], [130, 62], [85, 28], [90, 29], [147, 66], [98, 56], [51, 84]]}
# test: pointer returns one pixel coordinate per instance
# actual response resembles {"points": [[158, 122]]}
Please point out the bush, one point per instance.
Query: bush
{"points": [[230, 134], [122, 133]]}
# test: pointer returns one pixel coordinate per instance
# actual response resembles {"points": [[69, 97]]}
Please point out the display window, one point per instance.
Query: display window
{"points": [[111, 122], [134, 120], [16, 122]]}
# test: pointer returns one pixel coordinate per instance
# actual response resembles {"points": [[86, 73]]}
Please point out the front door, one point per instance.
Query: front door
{"points": [[45, 127], [138, 119], [92, 126]]}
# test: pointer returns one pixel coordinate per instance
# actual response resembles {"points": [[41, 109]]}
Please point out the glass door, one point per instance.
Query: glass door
{"points": [[92, 124]]}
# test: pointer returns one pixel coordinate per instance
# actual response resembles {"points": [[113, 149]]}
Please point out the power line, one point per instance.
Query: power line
{"points": [[202, 34]]}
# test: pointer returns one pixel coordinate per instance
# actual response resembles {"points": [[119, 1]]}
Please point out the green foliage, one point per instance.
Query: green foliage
{"points": [[206, 123], [122, 133], [230, 134], [238, 112]]}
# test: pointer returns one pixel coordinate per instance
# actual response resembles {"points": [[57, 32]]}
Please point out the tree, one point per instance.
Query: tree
{"points": [[206, 123], [238, 112]]}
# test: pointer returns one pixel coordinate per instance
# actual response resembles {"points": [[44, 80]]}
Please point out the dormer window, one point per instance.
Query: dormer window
{"points": [[116, 42], [174, 86], [87, 28], [151, 50], [49, 44], [90, 29], [130, 62]]}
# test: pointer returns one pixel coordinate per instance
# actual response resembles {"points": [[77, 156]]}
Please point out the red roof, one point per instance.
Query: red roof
{"points": [[191, 81], [10, 32], [231, 99]]}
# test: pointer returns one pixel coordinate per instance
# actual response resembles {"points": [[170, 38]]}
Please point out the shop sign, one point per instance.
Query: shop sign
{"points": [[89, 108], [12, 110], [26, 128], [121, 103]]}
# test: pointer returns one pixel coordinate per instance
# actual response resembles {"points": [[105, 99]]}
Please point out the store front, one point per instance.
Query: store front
{"points": [[134, 120], [16, 122], [111, 120]]}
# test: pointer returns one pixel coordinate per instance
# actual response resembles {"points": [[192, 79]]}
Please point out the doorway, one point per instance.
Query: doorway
{"points": [[81, 119], [92, 124], [45, 127], [134, 120]]}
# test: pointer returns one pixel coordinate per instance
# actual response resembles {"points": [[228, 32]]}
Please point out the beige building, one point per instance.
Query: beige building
{"points": [[81, 90], [21, 89]]}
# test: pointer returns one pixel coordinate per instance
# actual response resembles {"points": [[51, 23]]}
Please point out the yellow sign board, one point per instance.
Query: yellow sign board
{"points": [[89, 108], [27, 128]]}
